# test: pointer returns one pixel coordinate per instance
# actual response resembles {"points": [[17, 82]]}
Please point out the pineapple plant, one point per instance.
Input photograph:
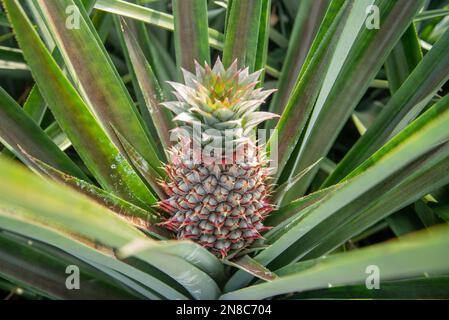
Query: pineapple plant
{"points": [[194, 149], [218, 199]]}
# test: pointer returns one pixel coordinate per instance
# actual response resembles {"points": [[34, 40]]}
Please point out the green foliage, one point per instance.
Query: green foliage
{"points": [[361, 143]]}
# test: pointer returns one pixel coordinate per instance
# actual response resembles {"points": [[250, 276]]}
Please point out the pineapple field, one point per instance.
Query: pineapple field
{"points": [[231, 150]]}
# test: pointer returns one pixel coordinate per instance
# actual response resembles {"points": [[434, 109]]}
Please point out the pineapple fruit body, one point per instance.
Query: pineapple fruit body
{"points": [[217, 192]]}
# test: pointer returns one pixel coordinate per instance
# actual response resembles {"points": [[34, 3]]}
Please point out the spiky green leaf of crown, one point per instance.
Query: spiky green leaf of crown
{"points": [[218, 204], [220, 99]]}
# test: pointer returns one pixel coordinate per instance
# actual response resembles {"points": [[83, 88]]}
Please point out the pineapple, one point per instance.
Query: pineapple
{"points": [[221, 197], [217, 192]]}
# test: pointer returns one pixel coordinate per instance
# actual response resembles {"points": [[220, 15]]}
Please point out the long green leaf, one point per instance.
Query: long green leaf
{"points": [[70, 212], [412, 143], [191, 36], [351, 71], [108, 265], [197, 282], [242, 33], [421, 172], [149, 86], [160, 60], [102, 158], [187, 250], [140, 218], [307, 22], [60, 207], [419, 88], [161, 20], [294, 118], [262, 41], [403, 59], [285, 214], [405, 187], [106, 95], [430, 14], [435, 287], [151, 16], [279, 191], [29, 263], [19, 131], [141, 104], [418, 255], [35, 105], [142, 166]]}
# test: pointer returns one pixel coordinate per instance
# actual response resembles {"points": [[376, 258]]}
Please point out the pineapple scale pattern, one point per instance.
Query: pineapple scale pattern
{"points": [[220, 206], [217, 203]]}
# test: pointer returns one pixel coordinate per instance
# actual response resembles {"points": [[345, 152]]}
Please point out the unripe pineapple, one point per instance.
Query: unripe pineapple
{"points": [[217, 193]]}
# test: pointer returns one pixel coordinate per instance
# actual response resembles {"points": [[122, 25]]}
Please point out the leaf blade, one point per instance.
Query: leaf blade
{"points": [[191, 36], [106, 96], [18, 130], [242, 33], [99, 154]]}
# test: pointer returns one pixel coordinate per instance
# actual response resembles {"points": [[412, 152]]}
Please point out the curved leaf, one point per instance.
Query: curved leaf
{"points": [[102, 158], [19, 131], [419, 254], [191, 36], [106, 96]]}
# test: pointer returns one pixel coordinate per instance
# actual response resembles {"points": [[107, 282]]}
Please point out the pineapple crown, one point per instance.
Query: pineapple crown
{"points": [[219, 98]]}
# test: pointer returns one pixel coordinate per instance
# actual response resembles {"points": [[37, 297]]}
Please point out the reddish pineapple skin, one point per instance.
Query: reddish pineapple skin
{"points": [[218, 202]]}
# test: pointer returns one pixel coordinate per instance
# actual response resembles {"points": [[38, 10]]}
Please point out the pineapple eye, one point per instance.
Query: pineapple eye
{"points": [[218, 203]]}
